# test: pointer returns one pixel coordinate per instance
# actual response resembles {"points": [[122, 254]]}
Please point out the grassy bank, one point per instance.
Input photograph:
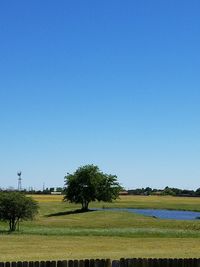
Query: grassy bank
{"points": [[57, 218], [156, 202]]}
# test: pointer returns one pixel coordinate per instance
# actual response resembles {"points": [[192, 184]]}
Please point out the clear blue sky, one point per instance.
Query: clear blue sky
{"points": [[114, 83]]}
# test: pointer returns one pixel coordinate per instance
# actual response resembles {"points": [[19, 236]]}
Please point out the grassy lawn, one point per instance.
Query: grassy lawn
{"points": [[99, 234], [34, 248]]}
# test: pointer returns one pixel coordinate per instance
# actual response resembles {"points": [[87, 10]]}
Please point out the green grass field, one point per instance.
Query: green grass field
{"points": [[56, 233]]}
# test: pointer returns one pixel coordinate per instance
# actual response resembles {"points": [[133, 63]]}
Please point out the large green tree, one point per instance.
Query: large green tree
{"points": [[88, 184], [16, 207]]}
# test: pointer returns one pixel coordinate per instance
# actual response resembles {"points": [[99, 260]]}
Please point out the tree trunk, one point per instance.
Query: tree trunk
{"points": [[12, 225], [85, 204]]}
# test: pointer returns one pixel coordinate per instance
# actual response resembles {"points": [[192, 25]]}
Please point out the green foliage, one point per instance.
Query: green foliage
{"points": [[168, 191], [15, 206], [88, 184]]}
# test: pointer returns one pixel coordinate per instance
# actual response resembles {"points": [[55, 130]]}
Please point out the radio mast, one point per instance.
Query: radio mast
{"points": [[19, 180]]}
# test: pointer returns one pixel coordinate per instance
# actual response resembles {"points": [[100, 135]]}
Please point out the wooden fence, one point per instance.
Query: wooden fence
{"points": [[136, 262]]}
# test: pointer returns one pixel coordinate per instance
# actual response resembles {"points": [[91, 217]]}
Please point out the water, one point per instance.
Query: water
{"points": [[164, 214]]}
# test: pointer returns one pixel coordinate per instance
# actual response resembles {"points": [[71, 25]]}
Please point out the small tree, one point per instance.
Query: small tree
{"points": [[15, 207], [88, 184]]}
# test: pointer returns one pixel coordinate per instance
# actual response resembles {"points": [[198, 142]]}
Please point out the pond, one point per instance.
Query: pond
{"points": [[163, 214]]}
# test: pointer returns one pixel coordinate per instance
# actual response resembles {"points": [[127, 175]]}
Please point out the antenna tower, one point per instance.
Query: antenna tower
{"points": [[19, 181]]}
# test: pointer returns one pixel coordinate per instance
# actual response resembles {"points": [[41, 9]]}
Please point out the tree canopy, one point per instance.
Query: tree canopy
{"points": [[15, 207], [88, 184]]}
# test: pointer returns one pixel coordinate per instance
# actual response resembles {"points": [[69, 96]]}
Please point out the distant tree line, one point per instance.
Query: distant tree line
{"points": [[172, 191], [46, 191], [163, 192]]}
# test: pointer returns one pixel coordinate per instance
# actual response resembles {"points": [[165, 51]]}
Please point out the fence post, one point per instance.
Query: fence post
{"points": [[175, 263], [52, 264], [75, 263], [141, 262], [129, 262], [64, 264], [102, 263], [59, 263], [115, 263], [19, 264], [189, 262], [42, 264], [70, 263], [47, 264], [163, 262], [144, 263], [108, 263], [36, 264], [149, 262], [132, 262], [25, 264], [92, 263], [96, 263], [197, 262], [122, 262], [155, 262], [87, 263], [81, 263]]}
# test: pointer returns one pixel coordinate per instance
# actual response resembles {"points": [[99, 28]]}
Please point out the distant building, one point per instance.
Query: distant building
{"points": [[123, 193], [56, 193]]}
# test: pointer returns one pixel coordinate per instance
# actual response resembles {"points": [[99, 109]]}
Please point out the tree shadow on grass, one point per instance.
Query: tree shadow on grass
{"points": [[68, 212], [5, 232]]}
